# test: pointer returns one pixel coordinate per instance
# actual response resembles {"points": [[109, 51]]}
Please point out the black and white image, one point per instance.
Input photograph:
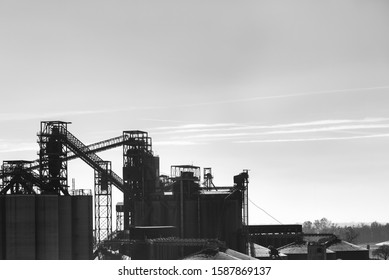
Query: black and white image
{"points": [[154, 130]]}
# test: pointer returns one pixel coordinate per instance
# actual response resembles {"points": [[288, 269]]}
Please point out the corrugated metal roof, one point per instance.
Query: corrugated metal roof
{"points": [[294, 249], [210, 254], [334, 245], [262, 252], [345, 246], [217, 256], [300, 249], [383, 243]]}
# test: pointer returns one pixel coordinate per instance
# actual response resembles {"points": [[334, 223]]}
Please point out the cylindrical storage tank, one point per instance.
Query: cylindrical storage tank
{"points": [[82, 228], [2, 227], [65, 227], [20, 227], [47, 234]]}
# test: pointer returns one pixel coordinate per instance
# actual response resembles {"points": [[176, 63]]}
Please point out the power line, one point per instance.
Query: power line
{"points": [[265, 211]]}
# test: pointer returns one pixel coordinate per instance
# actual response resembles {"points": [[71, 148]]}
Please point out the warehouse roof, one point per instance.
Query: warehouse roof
{"points": [[261, 252], [345, 246], [298, 249]]}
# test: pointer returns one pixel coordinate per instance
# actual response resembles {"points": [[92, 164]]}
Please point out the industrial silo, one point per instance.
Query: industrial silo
{"points": [[82, 227], [20, 227], [47, 231], [65, 227]]}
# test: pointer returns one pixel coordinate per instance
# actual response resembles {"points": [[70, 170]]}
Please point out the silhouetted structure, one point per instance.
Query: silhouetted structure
{"points": [[46, 227], [195, 211], [323, 246], [274, 235]]}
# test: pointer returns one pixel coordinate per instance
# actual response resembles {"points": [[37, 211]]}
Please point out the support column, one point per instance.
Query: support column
{"points": [[53, 157], [103, 202]]}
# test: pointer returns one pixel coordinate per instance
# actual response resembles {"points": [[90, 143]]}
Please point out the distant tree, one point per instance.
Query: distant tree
{"points": [[323, 225], [386, 231], [307, 227], [377, 231], [350, 234], [361, 233], [365, 235], [382, 252], [319, 226]]}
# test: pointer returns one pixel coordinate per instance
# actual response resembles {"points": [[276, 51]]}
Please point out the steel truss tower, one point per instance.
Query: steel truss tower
{"points": [[137, 155], [55, 140], [53, 157], [103, 202]]}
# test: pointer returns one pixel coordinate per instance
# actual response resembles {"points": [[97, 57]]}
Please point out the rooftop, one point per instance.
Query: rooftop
{"points": [[261, 252]]}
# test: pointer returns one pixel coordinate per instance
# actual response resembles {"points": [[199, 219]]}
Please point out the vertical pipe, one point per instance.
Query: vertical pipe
{"points": [[182, 213], [182, 208], [198, 218], [2, 227], [126, 208]]}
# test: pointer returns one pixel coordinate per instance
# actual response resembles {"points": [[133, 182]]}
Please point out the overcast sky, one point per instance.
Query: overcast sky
{"points": [[295, 91]]}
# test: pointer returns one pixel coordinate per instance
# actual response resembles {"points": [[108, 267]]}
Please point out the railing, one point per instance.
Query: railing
{"points": [[92, 148], [85, 153], [99, 146], [81, 192]]}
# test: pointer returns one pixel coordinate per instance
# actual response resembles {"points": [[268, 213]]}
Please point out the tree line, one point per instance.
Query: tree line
{"points": [[358, 234]]}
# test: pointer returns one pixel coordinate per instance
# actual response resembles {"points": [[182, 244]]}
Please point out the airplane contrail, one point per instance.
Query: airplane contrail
{"points": [[255, 98], [313, 139], [275, 97], [310, 93]]}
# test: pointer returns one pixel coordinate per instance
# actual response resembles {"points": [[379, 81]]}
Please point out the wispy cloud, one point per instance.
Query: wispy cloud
{"points": [[289, 95], [347, 90], [323, 122], [47, 116], [259, 97], [6, 147], [161, 120], [263, 96], [195, 128], [328, 129], [175, 143], [313, 139], [314, 130]]}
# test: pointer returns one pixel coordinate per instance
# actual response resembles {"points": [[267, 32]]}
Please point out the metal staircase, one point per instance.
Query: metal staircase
{"points": [[104, 177], [86, 154], [100, 146], [89, 149]]}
